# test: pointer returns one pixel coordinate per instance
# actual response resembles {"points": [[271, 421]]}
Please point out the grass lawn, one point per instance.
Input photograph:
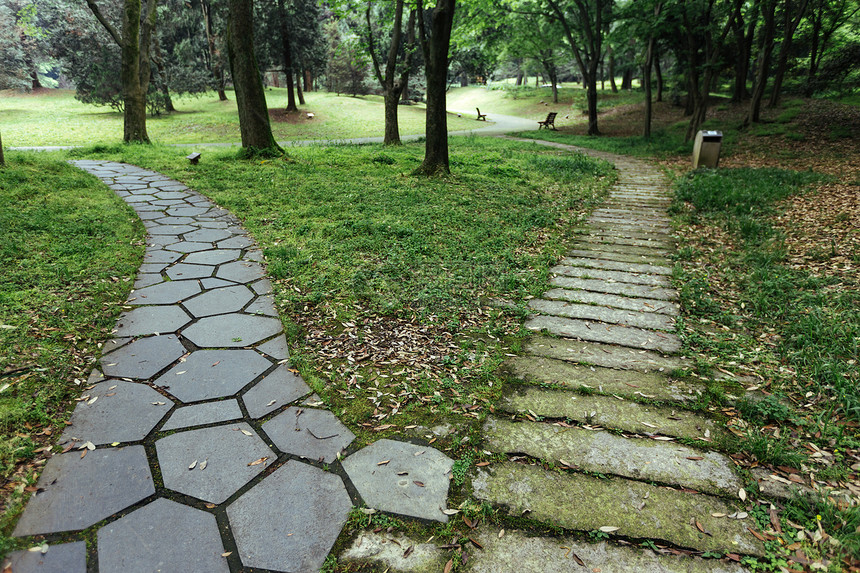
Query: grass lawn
{"points": [[68, 251], [54, 117]]}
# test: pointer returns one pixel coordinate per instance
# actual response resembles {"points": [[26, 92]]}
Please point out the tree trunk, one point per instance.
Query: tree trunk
{"points": [[612, 71], [659, 73], [34, 80], [288, 58], [250, 97], [2, 158], [392, 128], [649, 61], [309, 81], [436, 68], [754, 115], [627, 79], [214, 56], [162, 76], [299, 92], [790, 26]]}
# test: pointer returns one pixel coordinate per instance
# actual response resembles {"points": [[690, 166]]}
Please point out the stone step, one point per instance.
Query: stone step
{"points": [[650, 305], [623, 289], [616, 265], [618, 224], [605, 231], [502, 549], [649, 320], [609, 275], [600, 249], [607, 333], [657, 242], [639, 511], [606, 355], [650, 216], [619, 257], [653, 385], [598, 451], [610, 412]]}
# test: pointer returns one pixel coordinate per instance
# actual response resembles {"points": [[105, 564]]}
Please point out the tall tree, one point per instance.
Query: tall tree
{"points": [[763, 64], [391, 81], [825, 18], [250, 97], [792, 15], [138, 24], [435, 36], [214, 59]]}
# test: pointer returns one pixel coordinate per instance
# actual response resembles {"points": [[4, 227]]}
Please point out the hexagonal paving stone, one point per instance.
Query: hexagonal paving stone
{"points": [[186, 211], [144, 280], [171, 195], [151, 320], [276, 348], [79, 492], [140, 198], [169, 292], [382, 488], [143, 358], [188, 247], [219, 301], [264, 305], [214, 257], [213, 283], [239, 242], [176, 220], [240, 271], [208, 235], [60, 558], [275, 390], [206, 413], [162, 536], [170, 229], [312, 508], [227, 451], [160, 256], [185, 271], [208, 374], [313, 434], [231, 330], [116, 412]]}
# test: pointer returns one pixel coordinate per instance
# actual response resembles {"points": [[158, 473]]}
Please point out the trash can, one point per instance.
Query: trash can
{"points": [[706, 149]]}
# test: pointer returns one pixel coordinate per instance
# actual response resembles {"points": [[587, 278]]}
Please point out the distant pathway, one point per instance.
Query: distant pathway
{"points": [[197, 448]]}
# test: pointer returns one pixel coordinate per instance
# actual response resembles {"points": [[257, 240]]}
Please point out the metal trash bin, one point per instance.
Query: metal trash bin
{"points": [[706, 149]]}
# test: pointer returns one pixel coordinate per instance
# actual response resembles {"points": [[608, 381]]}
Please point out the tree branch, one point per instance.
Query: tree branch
{"points": [[108, 26]]}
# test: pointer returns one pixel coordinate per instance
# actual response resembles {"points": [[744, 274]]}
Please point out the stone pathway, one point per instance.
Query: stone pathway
{"points": [[196, 447], [594, 397]]}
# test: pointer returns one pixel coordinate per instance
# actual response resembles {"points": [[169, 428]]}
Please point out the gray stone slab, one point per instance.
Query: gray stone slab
{"points": [[144, 215], [412, 480], [167, 202], [657, 241], [602, 248], [606, 333], [386, 550], [160, 241], [162, 536], [232, 330], [611, 276], [610, 412], [205, 413], [185, 271], [211, 224], [262, 287], [160, 256], [278, 389], [177, 220], [214, 257], [219, 301], [172, 195], [605, 453], [650, 385], [79, 492], [153, 268], [255, 255], [172, 230], [276, 348], [241, 271], [606, 355], [236, 243], [151, 320], [208, 374], [647, 259], [617, 265], [139, 198], [169, 292], [646, 305], [530, 553], [640, 511], [116, 411], [144, 280], [188, 247], [649, 320], [143, 358], [312, 509], [264, 305], [309, 433], [228, 452], [623, 289], [208, 235], [213, 283], [185, 211], [60, 558]]}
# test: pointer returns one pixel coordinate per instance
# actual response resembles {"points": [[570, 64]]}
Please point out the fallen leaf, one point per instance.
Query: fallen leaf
{"points": [[579, 561], [203, 464], [92, 401], [501, 533], [408, 551], [609, 529], [475, 543], [450, 511], [695, 458], [383, 462], [448, 566], [482, 464], [193, 465], [418, 483], [247, 433], [227, 554], [742, 493], [258, 462]]}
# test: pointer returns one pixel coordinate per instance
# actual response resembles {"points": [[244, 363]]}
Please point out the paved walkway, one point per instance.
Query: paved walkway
{"points": [[196, 447]]}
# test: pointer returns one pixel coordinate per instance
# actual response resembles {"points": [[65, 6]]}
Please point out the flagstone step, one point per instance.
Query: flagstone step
{"points": [[586, 252], [623, 289], [606, 333], [632, 383], [601, 248], [658, 241], [612, 300], [606, 355], [609, 275], [639, 510], [610, 223], [648, 320], [616, 265], [610, 412]]}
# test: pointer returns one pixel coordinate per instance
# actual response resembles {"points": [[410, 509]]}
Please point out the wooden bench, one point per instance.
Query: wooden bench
{"points": [[481, 116], [549, 121]]}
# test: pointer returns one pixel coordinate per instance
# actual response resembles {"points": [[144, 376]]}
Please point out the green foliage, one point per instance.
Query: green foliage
{"points": [[770, 409], [842, 523], [460, 469]]}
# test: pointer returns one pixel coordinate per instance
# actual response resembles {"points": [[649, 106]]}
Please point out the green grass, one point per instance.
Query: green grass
{"points": [[199, 120], [68, 249], [663, 142]]}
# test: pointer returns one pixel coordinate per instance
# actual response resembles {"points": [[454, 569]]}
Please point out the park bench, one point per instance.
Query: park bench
{"points": [[549, 121], [481, 116]]}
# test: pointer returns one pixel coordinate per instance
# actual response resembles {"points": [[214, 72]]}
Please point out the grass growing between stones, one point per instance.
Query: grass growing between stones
{"points": [[790, 334], [68, 251]]}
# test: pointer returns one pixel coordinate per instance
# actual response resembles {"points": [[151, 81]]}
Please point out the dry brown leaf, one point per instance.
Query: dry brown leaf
{"points": [[258, 462]]}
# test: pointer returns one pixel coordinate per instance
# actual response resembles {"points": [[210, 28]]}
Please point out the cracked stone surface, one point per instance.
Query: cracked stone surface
{"points": [[205, 413], [309, 433], [161, 536], [207, 374], [151, 320], [312, 509], [219, 301], [143, 358], [414, 482], [277, 389]]}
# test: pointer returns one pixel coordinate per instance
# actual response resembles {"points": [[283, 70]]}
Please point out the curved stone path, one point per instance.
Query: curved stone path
{"points": [[196, 447]]}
